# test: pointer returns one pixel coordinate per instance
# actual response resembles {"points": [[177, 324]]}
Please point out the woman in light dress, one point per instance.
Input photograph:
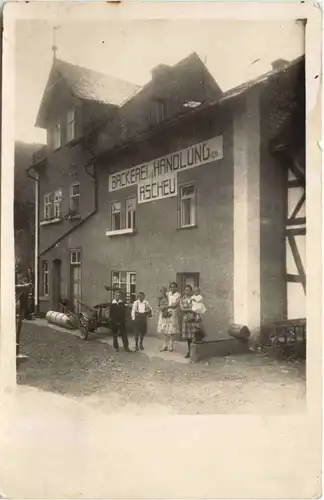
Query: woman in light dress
{"points": [[168, 323]]}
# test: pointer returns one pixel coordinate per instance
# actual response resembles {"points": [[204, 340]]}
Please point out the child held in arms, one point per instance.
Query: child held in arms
{"points": [[197, 302], [163, 302]]}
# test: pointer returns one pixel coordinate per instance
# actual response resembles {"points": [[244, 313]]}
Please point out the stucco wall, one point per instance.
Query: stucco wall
{"points": [[159, 249], [65, 167]]}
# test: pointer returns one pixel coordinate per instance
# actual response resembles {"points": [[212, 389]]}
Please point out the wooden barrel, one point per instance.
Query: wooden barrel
{"points": [[60, 319], [240, 332]]}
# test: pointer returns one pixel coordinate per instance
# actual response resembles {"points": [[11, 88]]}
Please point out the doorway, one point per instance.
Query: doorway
{"points": [[184, 279], [56, 285], [75, 280]]}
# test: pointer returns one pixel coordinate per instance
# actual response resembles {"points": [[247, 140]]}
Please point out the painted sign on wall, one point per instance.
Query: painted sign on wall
{"points": [[193, 156], [156, 188]]}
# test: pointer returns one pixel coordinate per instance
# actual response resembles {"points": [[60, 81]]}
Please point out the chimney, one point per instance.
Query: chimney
{"points": [[279, 64], [159, 71]]}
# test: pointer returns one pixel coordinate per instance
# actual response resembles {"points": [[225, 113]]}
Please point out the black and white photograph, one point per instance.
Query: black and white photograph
{"points": [[159, 239]]}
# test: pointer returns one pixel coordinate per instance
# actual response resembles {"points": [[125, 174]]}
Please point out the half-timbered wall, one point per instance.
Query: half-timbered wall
{"points": [[296, 245], [283, 217]]}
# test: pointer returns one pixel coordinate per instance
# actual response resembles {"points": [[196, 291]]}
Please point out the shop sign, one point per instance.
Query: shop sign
{"points": [[156, 188], [193, 156]]}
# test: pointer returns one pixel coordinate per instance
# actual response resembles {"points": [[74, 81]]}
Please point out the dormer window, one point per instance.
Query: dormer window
{"points": [[70, 125], [57, 135], [157, 112]]}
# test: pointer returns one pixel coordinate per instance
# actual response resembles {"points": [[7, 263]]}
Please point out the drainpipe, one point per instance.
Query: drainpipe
{"points": [[36, 250]]}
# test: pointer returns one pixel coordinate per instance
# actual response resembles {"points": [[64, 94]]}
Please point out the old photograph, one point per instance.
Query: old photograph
{"points": [[159, 219], [160, 213]]}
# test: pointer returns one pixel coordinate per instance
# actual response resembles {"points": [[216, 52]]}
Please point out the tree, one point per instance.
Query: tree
{"points": [[24, 205]]}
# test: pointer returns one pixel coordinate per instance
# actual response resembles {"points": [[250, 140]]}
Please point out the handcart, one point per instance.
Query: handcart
{"points": [[91, 318]]}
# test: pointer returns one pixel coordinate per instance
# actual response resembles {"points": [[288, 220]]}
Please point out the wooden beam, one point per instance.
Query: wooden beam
{"points": [[298, 260], [295, 168], [299, 221], [293, 278], [298, 231], [295, 183]]}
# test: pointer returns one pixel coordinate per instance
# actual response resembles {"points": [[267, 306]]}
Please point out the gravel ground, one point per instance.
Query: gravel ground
{"points": [[135, 383]]}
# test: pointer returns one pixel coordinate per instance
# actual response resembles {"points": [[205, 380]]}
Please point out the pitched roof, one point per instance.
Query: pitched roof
{"points": [[264, 78], [230, 95], [88, 85], [94, 86], [174, 78]]}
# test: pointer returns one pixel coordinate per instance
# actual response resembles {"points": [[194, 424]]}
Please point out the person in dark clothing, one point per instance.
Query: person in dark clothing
{"points": [[118, 319], [31, 300], [21, 296]]}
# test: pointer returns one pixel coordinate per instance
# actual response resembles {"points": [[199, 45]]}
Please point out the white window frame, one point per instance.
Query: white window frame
{"points": [[75, 257], [124, 280], [57, 136], [57, 201], [74, 196], [130, 211], [113, 213], [193, 206], [45, 278], [70, 125], [48, 206]]}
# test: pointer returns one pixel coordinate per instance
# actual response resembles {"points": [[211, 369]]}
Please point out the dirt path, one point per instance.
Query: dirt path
{"points": [[137, 383]]}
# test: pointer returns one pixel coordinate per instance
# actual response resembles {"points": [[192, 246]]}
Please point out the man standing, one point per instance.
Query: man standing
{"points": [[118, 310], [21, 295]]}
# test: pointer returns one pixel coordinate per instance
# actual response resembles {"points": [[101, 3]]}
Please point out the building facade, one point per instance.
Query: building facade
{"points": [[176, 181]]}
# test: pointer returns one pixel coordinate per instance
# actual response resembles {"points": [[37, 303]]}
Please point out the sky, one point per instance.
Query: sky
{"points": [[233, 51]]}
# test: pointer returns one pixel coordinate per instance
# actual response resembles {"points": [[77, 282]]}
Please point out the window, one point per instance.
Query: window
{"points": [[70, 125], [131, 213], [75, 257], [75, 280], [45, 278], [57, 135], [188, 205], [126, 282], [157, 112], [57, 203], [75, 198], [116, 215], [48, 206], [123, 217]]}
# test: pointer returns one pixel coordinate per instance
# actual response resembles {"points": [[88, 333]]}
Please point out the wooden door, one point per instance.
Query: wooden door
{"points": [[76, 287], [56, 285]]}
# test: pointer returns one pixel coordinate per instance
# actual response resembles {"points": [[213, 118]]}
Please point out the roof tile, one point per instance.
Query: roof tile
{"points": [[92, 85]]}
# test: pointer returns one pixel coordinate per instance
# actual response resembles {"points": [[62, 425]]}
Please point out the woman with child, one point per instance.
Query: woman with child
{"points": [[191, 304]]}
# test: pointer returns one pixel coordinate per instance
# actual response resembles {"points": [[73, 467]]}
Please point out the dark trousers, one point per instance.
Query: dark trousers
{"points": [[140, 327], [119, 329]]}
